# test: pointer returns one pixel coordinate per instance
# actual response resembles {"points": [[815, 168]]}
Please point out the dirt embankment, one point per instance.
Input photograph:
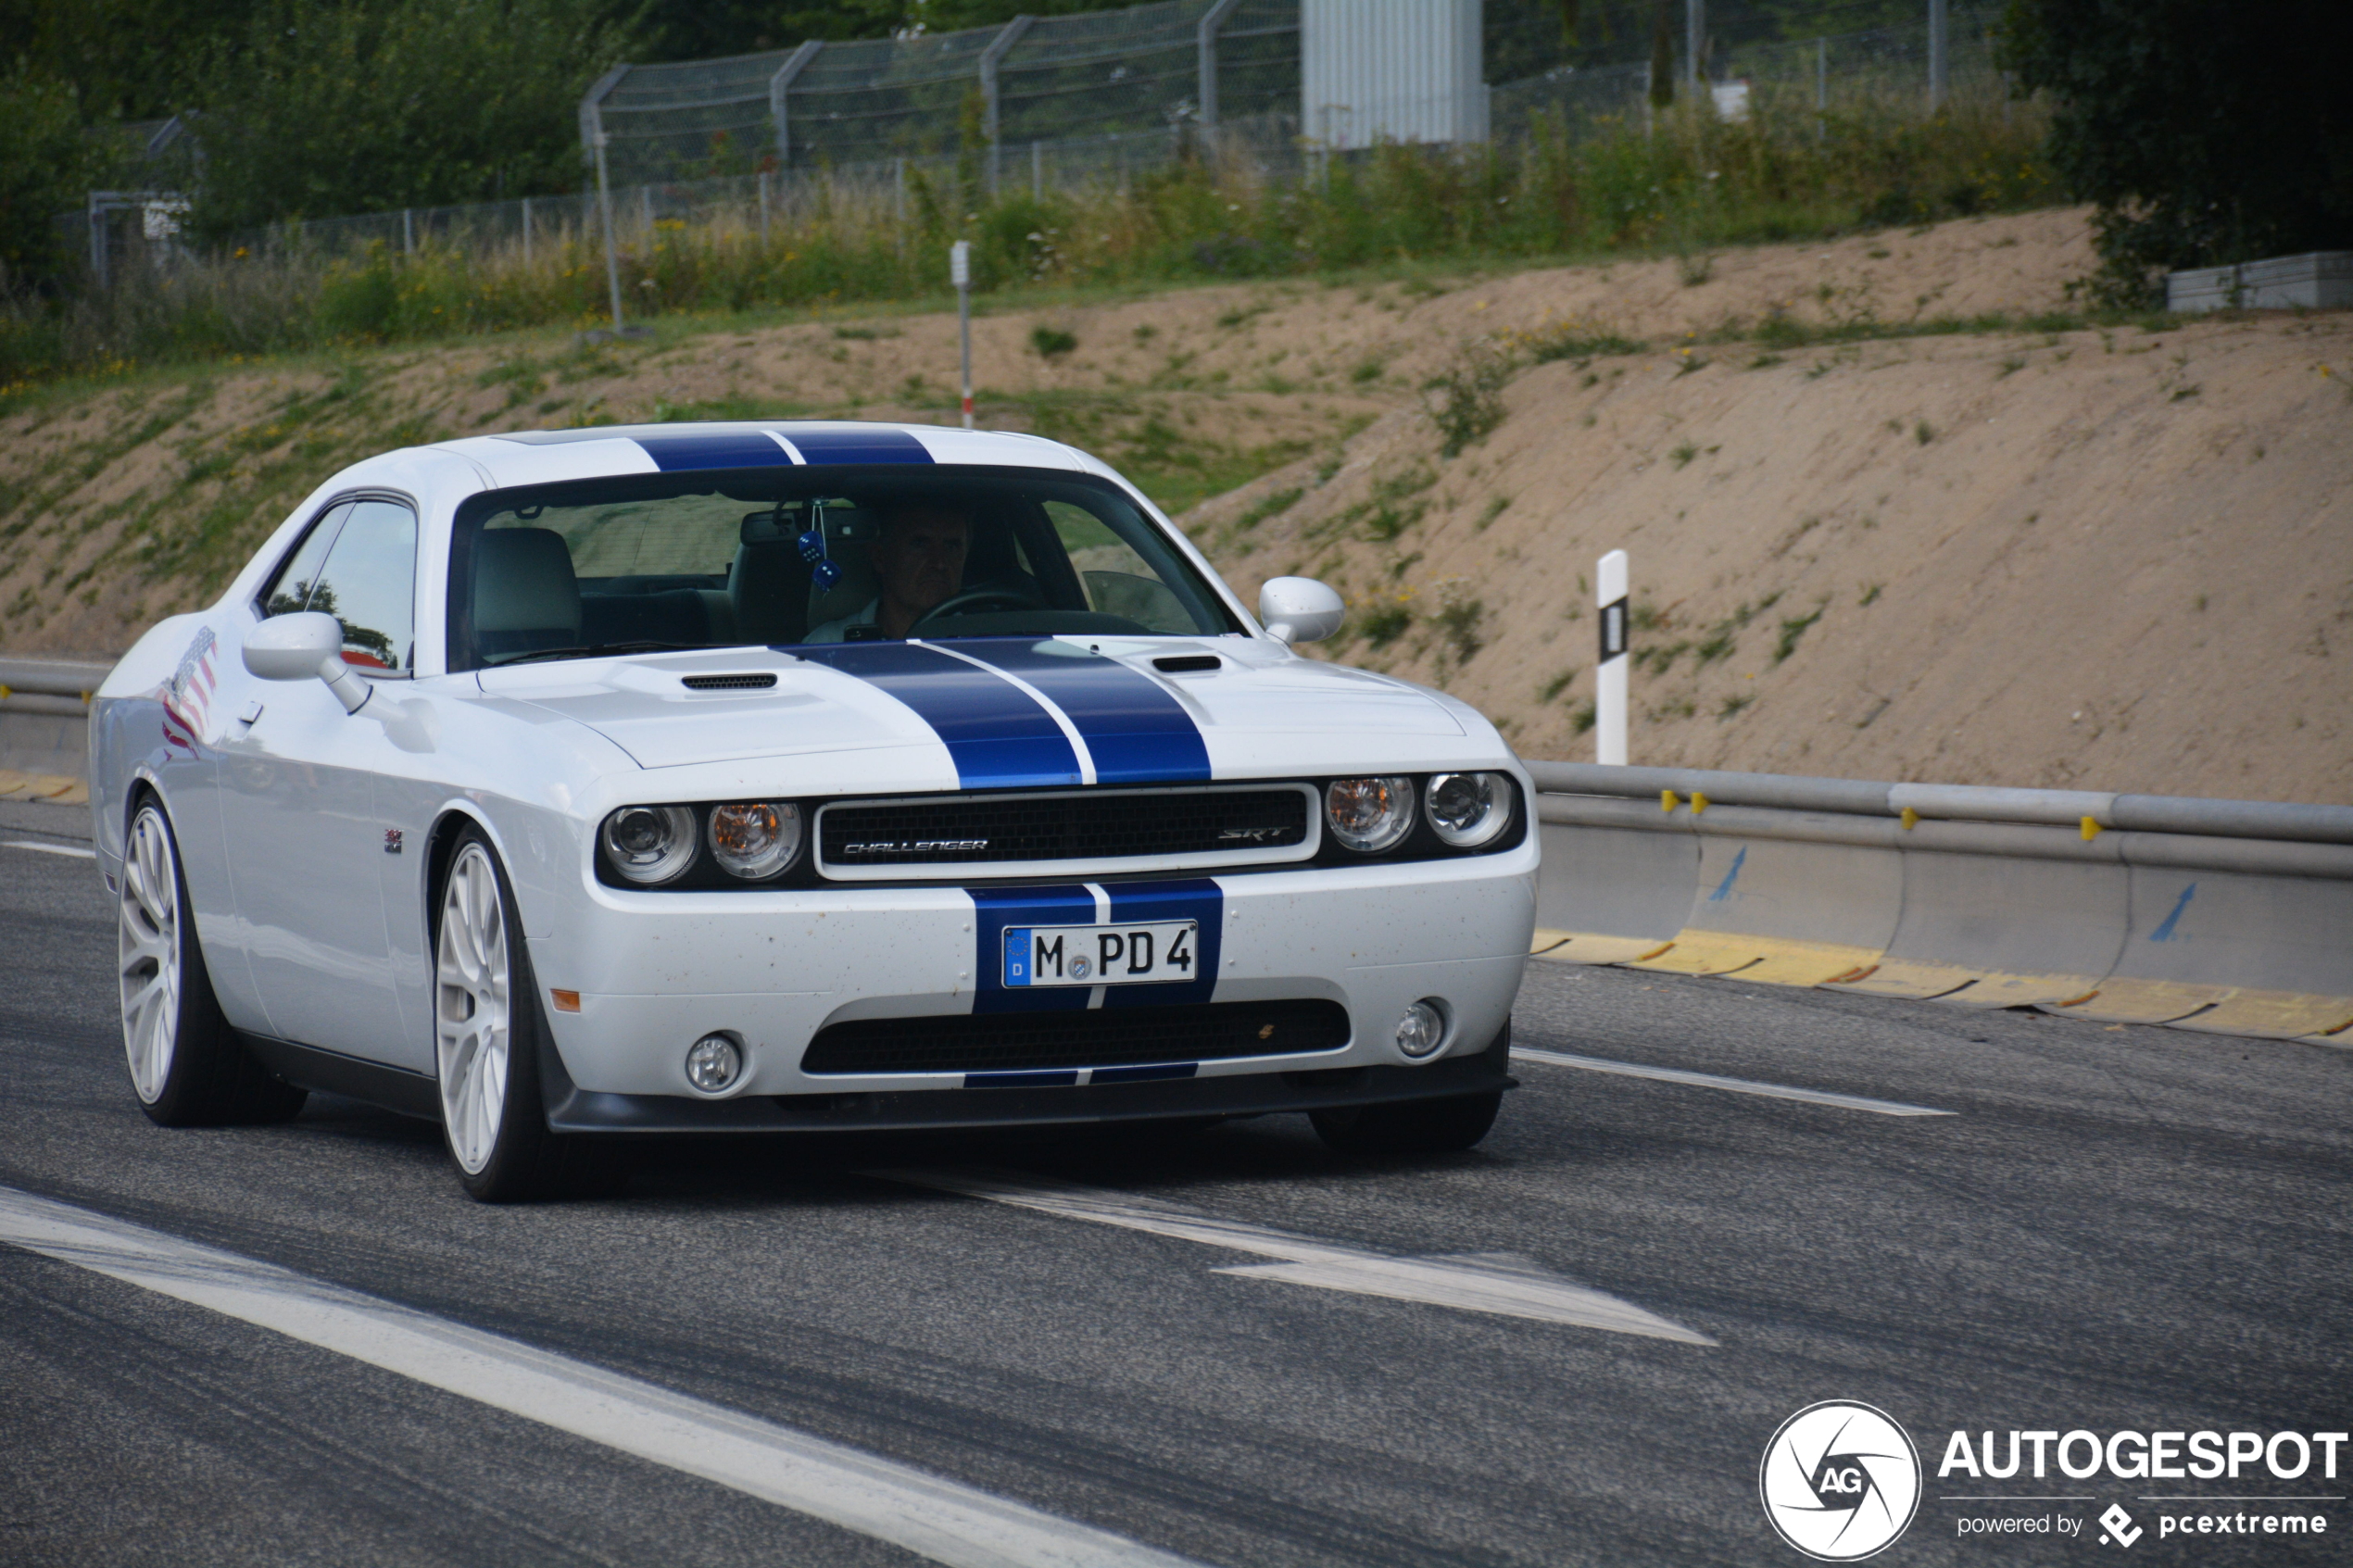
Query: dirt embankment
{"points": [[2112, 559]]}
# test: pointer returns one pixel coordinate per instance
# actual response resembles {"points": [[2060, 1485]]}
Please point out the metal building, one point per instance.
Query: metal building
{"points": [[1391, 70]]}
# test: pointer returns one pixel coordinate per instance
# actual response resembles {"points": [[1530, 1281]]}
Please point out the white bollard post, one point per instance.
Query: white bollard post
{"points": [[960, 272], [1609, 676]]}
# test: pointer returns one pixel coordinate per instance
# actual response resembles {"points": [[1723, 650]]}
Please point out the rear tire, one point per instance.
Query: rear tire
{"points": [[186, 1064], [488, 1034], [1417, 1126]]}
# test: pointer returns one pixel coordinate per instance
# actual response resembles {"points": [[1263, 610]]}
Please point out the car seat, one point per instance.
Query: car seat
{"points": [[525, 598]]}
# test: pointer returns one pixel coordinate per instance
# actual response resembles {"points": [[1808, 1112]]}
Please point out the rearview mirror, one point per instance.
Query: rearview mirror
{"points": [[1300, 609], [299, 647]]}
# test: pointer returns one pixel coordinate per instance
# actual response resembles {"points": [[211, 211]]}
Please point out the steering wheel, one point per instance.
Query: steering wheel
{"points": [[966, 602]]}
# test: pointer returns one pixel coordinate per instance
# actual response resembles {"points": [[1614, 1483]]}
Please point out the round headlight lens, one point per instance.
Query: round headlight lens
{"points": [[650, 844], [755, 838], [1369, 815], [1468, 808]]}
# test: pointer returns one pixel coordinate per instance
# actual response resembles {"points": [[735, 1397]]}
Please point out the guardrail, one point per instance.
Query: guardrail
{"points": [[45, 730], [2229, 916]]}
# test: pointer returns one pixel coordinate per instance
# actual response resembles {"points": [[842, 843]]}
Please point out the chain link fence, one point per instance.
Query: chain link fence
{"points": [[1098, 101]]}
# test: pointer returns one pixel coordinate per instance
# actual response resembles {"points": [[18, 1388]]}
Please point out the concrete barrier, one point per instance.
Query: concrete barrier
{"points": [[2230, 917]]}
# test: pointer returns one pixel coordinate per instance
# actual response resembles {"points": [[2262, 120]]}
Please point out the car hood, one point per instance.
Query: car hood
{"points": [[1006, 712]]}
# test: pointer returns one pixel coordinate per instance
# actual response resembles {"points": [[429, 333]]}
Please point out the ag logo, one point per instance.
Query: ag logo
{"points": [[1840, 1481]]}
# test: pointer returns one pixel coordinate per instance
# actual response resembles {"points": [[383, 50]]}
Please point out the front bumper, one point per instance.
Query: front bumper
{"points": [[656, 971], [574, 1110]]}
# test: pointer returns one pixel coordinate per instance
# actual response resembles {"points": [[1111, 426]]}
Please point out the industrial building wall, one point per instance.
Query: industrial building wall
{"points": [[1396, 70]]}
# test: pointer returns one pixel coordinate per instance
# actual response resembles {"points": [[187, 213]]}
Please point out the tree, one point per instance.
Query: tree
{"points": [[46, 165], [2208, 132], [320, 110]]}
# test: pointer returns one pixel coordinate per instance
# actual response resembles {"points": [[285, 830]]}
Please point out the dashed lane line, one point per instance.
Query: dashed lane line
{"points": [[1501, 1284], [926, 1515], [49, 848], [1738, 1085]]}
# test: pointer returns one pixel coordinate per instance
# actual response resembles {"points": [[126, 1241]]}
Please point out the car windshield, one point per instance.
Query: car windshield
{"points": [[788, 557]]}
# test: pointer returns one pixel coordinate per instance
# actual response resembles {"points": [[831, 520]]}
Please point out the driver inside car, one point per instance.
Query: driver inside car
{"points": [[919, 560]]}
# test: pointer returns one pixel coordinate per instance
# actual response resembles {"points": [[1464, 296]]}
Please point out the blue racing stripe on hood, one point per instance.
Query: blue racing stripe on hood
{"points": [[999, 910], [733, 449], [857, 445], [996, 732], [1136, 730]]}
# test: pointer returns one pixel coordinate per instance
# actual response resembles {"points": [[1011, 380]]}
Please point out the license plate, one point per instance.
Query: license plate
{"points": [[1099, 955]]}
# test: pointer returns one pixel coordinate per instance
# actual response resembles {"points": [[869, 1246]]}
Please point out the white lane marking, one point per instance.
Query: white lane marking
{"points": [[1053, 709], [1738, 1085], [1501, 1284], [49, 848], [926, 1515]]}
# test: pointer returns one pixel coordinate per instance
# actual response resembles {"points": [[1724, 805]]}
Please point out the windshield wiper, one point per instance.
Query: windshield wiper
{"points": [[598, 650]]}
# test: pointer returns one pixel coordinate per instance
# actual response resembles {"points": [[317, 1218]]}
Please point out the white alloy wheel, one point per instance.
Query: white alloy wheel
{"points": [[472, 1007], [147, 950]]}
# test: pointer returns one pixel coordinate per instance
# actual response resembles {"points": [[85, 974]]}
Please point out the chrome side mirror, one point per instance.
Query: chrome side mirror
{"points": [[298, 648], [1300, 609]]}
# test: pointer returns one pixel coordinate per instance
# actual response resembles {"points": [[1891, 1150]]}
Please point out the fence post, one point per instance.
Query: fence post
{"points": [[1695, 34], [646, 211], [407, 230], [1609, 675], [1937, 61], [990, 59], [527, 230], [1037, 172], [1205, 64], [1821, 76], [592, 131], [95, 217], [764, 206], [779, 94]]}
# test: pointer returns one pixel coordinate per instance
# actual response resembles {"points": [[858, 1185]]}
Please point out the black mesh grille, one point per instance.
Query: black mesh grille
{"points": [[1099, 1037], [967, 828]]}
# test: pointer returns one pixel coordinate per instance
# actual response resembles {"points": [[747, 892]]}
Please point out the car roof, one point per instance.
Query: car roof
{"points": [[539, 456]]}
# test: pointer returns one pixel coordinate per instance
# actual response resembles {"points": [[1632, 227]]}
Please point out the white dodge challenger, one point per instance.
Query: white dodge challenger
{"points": [[563, 786]]}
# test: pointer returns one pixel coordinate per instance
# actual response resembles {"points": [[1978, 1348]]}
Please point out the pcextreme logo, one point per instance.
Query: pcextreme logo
{"points": [[1840, 1481]]}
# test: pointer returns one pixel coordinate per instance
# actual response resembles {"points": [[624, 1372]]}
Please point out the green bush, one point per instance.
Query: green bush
{"points": [[46, 166]]}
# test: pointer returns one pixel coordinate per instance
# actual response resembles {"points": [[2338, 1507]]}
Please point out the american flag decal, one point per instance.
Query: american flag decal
{"points": [[189, 695]]}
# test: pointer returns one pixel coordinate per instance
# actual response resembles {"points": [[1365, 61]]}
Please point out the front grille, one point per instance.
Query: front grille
{"points": [[982, 830], [988, 1042]]}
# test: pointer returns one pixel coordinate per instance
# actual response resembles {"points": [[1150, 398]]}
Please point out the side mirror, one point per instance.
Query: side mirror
{"points": [[1300, 609], [300, 648]]}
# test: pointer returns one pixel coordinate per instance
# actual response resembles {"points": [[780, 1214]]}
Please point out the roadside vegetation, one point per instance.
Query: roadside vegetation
{"points": [[1695, 185]]}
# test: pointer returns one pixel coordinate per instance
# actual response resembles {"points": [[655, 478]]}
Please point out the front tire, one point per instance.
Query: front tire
{"points": [[186, 1064], [1417, 1126], [488, 1033]]}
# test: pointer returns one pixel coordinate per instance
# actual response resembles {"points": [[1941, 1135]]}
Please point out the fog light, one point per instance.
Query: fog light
{"points": [[1421, 1030], [713, 1063]]}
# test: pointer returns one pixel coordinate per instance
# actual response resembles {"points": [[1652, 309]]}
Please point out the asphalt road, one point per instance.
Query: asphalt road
{"points": [[2118, 1228]]}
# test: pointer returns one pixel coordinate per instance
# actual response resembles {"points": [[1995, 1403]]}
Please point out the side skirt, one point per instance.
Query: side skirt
{"points": [[395, 1088]]}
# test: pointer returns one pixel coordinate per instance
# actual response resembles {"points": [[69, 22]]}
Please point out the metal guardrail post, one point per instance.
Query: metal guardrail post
{"points": [[990, 59], [1939, 58]]}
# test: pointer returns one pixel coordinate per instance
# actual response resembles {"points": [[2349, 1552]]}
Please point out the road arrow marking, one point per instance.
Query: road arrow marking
{"points": [[1504, 1285]]}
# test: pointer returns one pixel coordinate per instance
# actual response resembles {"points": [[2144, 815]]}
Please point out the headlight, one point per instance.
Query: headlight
{"points": [[1468, 808], [650, 844], [755, 839], [1369, 815]]}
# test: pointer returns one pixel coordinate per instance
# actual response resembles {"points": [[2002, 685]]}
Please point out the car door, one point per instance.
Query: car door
{"points": [[299, 820]]}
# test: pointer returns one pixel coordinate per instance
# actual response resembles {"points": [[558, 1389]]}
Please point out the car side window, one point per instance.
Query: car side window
{"points": [[368, 583], [289, 592], [1117, 579]]}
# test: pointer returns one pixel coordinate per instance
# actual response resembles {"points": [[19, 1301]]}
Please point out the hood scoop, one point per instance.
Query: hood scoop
{"points": [[750, 681]]}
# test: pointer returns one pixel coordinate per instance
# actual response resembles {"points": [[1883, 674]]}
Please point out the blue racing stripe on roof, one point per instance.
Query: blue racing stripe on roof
{"points": [[1135, 730], [857, 445], [996, 732], [733, 449]]}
